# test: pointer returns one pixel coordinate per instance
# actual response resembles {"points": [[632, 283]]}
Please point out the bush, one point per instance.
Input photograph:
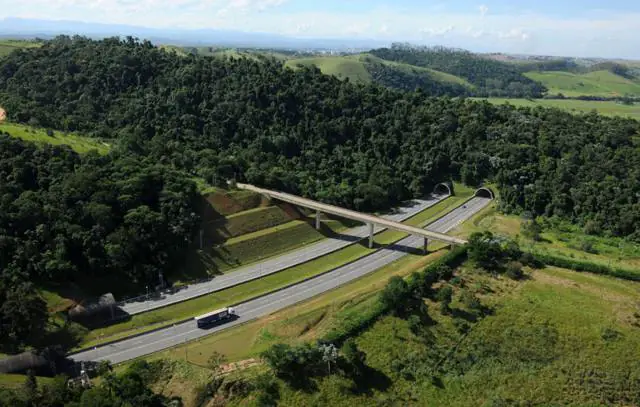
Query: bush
{"points": [[531, 229], [577, 265], [470, 300], [395, 295], [444, 296], [293, 364], [514, 270]]}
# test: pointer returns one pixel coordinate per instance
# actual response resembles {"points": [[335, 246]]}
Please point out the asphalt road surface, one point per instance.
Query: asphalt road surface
{"points": [[155, 341], [276, 264]]}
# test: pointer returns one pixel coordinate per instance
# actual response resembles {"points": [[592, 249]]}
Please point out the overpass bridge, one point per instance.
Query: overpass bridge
{"points": [[370, 220]]}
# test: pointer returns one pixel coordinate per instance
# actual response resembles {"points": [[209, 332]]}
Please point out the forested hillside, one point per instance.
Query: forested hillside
{"points": [[111, 223], [491, 77], [360, 146]]}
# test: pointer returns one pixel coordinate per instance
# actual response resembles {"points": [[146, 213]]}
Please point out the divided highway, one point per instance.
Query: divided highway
{"points": [[155, 341], [276, 264]]}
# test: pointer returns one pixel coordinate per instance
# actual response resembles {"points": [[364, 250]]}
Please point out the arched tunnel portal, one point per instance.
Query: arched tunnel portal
{"points": [[485, 192]]}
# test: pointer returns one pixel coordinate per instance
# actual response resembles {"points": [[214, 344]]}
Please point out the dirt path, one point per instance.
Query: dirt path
{"points": [[241, 365]]}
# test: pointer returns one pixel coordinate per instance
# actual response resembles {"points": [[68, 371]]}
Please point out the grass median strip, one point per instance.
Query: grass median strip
{"points": [[168, 315]]}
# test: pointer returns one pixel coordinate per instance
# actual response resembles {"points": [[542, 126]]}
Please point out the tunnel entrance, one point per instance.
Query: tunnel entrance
{"points": [[485, 193], [443, 189]]}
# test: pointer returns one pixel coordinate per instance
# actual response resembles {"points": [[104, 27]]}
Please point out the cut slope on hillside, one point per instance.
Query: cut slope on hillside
{"points": [[596, 83]]}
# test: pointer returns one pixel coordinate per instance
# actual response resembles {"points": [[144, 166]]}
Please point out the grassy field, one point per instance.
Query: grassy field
{"points": [[16, 381], [167, 316], [78, 143], [341, 67], [597, 83], [354, 68], [607, 108], [561, 240], [558, 338], [8, 46]]}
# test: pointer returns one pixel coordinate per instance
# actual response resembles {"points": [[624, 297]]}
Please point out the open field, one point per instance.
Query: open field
{"points": [[168, 315], [596, 83], [341, 67], [557, 338], [39, 136], [7, 46], [560, 240], [607, 108], [16, 381], [354, 68]]}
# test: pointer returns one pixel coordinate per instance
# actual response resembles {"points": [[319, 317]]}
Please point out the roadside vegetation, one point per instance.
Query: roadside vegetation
{"points": [[466, 333]]}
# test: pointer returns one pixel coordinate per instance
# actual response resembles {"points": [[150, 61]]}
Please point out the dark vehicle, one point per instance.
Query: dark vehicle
{"points": [[214, 317]]}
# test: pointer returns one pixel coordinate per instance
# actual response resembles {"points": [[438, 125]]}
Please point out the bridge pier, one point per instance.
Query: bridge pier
{"points": [[424, 247], [370, 235], [318, 224]]}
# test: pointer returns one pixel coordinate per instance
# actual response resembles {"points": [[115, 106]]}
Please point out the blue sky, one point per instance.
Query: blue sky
{"points": [[562, 27]]}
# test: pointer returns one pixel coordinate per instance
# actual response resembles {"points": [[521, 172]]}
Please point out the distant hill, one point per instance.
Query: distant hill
{"points": [[366, 68], [489, 77]]}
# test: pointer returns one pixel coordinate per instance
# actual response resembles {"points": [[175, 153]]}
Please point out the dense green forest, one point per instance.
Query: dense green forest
{"points": [[361, 146], [491, 77], [115, 221], [131, 214]]}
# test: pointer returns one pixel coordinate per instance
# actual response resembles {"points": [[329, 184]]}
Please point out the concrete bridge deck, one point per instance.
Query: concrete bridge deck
{"points": [[370, 220]]}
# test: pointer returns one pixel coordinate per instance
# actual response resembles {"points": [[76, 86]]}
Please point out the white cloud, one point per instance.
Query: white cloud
{"points": [[477, 28], [514, 33], [437, 31]]}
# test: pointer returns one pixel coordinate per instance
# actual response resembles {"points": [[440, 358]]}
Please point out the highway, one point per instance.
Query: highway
{"points": [[275, 264], [349, 214], [166, 338]]}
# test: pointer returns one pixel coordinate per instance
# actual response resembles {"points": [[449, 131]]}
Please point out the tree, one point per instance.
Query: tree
{"points": [[485, 250], [329, 355], [396, 295], [30, 389], [215, 362], [445, 296], [531, 229]]}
